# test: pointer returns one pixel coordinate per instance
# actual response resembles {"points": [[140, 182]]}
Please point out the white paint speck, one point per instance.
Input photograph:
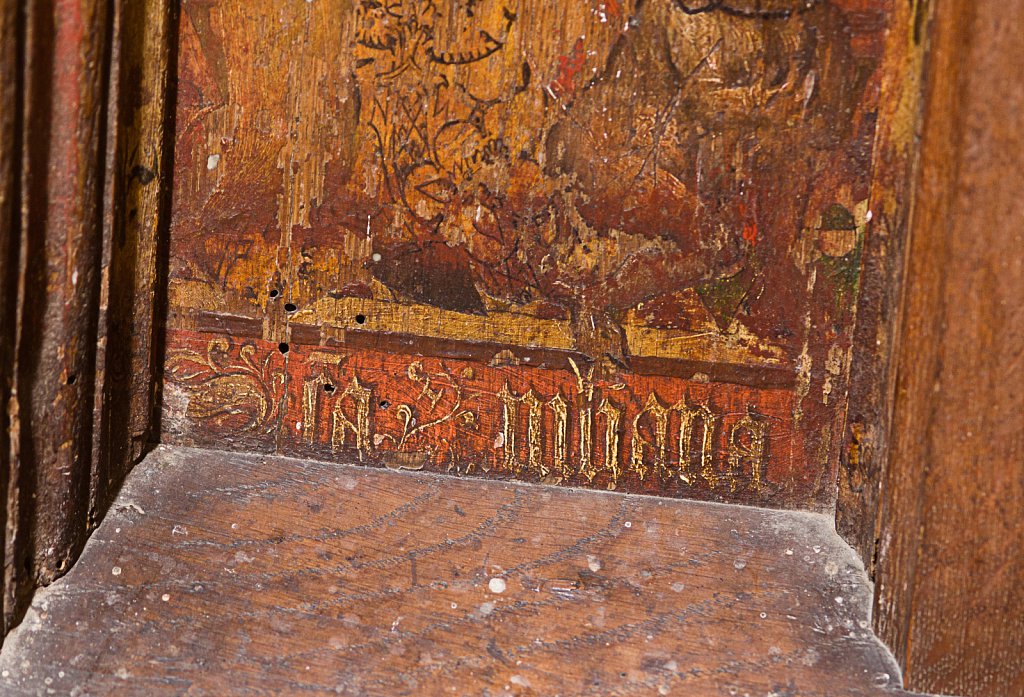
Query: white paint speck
{"points": [[497, 585], [869, 216], [739, 564], [593, 563], [212, 161], [628, 524], [116, 571], [298, 425], [454, 605], [166, 597], [123, 673], [179, 530], [764, 615], [789, 552], [678, 587], [376, 256]]}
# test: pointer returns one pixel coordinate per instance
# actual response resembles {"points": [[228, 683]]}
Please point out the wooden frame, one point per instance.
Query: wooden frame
{"points": [[83, 200]]}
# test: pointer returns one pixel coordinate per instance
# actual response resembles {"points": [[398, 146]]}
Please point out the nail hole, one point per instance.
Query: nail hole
{"points": [[384, 404], [290, 307], [282, 347], [274, 293], [72, 379], [360, 319], [328, 388]]}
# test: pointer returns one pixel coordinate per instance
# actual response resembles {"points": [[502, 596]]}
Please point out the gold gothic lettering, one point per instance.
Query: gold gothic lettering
{"points": [[313, 391]]}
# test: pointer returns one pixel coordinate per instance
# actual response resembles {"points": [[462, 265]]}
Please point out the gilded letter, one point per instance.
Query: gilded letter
{"points": [[560, 409], [751, 452], [612, 416], [361, 426], [660, 415], [687, 417]]}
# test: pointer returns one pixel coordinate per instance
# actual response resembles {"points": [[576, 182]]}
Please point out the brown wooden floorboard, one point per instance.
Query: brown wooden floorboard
{"points": [[219, 573]]}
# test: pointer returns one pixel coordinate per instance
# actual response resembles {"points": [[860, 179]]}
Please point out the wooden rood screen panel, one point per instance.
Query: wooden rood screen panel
{"points": [[612, 244]]}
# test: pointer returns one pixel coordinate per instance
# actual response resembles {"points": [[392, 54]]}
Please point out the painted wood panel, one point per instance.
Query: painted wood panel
{"points": [[609, 244]]}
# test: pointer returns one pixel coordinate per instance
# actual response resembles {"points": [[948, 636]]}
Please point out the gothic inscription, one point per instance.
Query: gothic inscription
{"points": [[612, 244], [561, 427]]}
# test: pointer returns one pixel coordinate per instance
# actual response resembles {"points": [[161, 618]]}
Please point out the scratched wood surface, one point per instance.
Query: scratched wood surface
{"points": [[222, 573], [82, 113], [638, 224], [951, 569]]}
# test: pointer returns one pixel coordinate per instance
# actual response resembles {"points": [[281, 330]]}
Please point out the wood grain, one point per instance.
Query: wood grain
{"points": [[951, 573], [132, 304], [632, 189], [10, 243], [222, 573], [864, 456], [60, 187], [79, 277]]}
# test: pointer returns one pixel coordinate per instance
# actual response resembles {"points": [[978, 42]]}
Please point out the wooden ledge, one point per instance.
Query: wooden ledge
{"points": [[219, 573]]}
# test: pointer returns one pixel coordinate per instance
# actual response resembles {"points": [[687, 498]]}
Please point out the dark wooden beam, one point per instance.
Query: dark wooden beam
{"points": [[81, 194], [950, 576]]}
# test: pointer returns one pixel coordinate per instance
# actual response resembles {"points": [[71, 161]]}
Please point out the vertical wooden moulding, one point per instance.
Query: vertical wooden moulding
{"points": [[864, 452], [81, 180], [950, 574], [61, 202], [134, 256], [10, 233]]}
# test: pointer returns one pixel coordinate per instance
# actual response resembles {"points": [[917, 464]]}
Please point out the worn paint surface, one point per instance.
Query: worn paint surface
{"points": [[653, 211]]}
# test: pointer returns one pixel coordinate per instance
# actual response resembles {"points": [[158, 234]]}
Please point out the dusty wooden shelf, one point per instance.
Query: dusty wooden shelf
{"points": [[219, 573]]}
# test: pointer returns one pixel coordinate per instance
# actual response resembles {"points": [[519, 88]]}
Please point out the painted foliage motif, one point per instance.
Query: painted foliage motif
{"points": [[597, 195]]}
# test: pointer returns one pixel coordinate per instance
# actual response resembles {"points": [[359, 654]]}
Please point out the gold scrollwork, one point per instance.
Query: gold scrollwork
{"points": [[245, 391]]}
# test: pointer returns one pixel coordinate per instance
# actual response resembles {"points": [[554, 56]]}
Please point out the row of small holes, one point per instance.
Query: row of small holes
{"points": [[291, 307], [283, 347]]}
